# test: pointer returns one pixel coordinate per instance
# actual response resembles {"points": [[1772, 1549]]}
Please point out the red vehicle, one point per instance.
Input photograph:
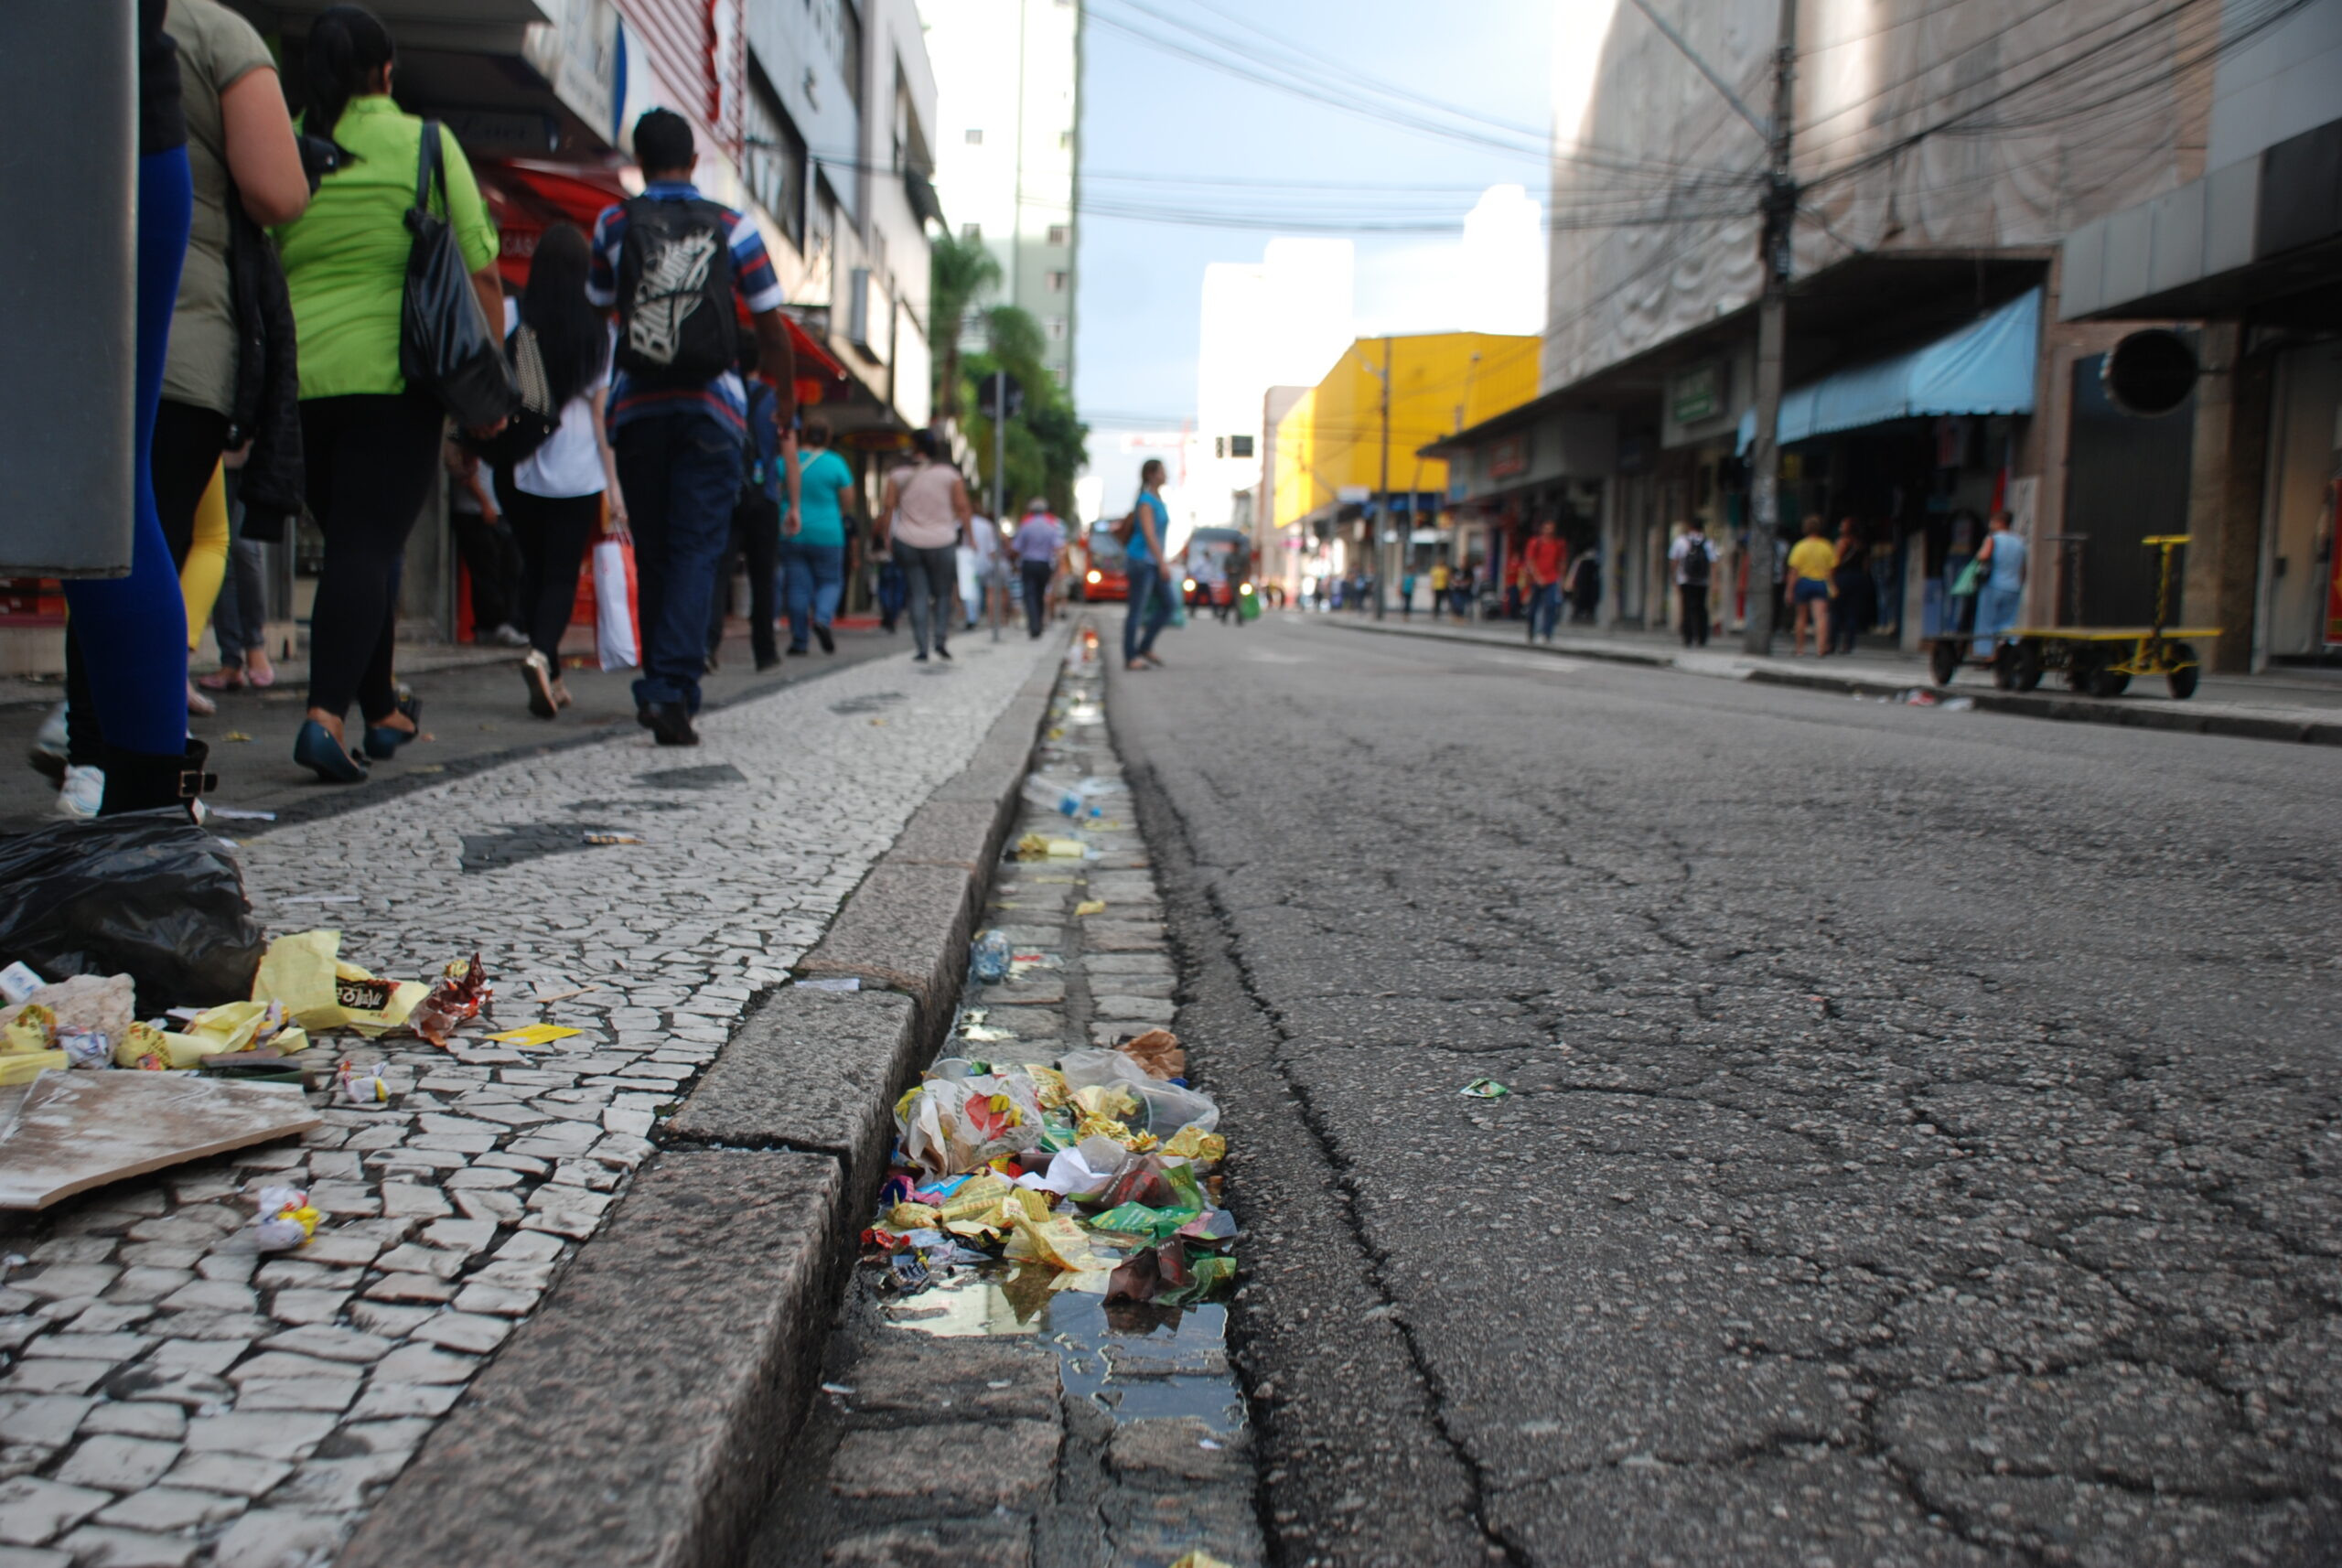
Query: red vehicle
{"points": [[1098, 566], [1220, 544]]}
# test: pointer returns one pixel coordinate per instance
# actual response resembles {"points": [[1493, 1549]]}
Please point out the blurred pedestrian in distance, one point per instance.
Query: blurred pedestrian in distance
{"points": [[814, 538], [1997, 601], [1541, 562], [1146, 565], [1442, 579], [679, 409], [1693, 555], [239, 618], [1812, 563], [370, 440], [490, 555], [1584, 583], [1849, 600], [1038, 545], [922, 517], [1406, 596], [566, 493], [753, 538]]}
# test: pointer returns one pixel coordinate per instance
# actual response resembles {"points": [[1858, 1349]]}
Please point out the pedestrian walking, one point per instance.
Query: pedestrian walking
{"points": [[240, 617], [1146, 532], [922, 517], [1585, 587], [1541, 563], [1461, 586], [754, 540], [1442, 580], [1812, 564], [812, 538], [566, 491], [1406, 596], [371, 441], [1209, 575], [2003, 557], [1038, 546], [1849, 600], [484, 543], [1693, 555], [676, 265]]}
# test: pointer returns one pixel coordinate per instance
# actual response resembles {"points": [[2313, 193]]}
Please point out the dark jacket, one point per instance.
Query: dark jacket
{"points": [[267, 409]]}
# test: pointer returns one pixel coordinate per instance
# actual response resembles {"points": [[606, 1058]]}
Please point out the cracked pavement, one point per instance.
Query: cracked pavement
{"points": [[1923, 1147]]}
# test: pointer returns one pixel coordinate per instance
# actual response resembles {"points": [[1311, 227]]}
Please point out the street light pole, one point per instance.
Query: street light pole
{"points": [[1382, 526], [1772, 335]]}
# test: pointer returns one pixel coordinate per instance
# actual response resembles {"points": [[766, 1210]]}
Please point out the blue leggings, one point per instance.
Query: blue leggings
{"points": [[133, 629]]}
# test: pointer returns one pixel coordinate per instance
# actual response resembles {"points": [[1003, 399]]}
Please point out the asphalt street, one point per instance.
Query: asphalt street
{"points": [[1924, 1135]]}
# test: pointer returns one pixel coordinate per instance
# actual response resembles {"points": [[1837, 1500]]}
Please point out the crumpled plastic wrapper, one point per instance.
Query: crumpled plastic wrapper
{"points": [[319, 991]]}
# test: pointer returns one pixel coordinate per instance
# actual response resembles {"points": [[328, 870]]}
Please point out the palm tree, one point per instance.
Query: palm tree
{"points": [[958, 271]]}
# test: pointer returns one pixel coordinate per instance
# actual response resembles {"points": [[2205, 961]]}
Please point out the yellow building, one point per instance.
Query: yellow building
{"points": [[1329, 447]]}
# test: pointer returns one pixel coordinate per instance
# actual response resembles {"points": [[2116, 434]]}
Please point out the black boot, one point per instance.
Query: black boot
{"points": [[142, 781]]}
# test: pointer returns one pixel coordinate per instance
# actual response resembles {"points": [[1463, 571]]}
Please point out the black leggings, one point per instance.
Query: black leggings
{"points": [[186, 448], [552, 532], [372, 460]]}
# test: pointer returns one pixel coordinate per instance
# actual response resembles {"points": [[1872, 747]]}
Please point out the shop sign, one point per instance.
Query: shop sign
{"points": [[580, 54], [1695, 394], [1509, 456]]}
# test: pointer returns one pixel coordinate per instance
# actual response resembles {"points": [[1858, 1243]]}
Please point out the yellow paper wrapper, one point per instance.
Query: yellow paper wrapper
{"points": [[1193, 1142], [1059, 1242], [33, 1031], [230, 1025], [320, 993], [23, 1066], [536, 1034], [912, 1217]]}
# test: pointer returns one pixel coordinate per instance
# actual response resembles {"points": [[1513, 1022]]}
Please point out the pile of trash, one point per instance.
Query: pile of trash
{"points": [[1081, 799], [1102, 1165]]}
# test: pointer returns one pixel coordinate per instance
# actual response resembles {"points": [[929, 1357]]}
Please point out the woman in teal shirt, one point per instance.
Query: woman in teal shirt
{"points": [[1146, 568], [813, 541]]}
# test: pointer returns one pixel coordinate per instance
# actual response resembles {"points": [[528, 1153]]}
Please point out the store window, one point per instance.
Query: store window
{"points": [[1057, 281], [776, 157], [1058, 234], [976, 137]]}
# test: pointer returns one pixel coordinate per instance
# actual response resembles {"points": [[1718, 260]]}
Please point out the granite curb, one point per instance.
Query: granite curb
{"points": [[637, 1420], [2276, 726]]}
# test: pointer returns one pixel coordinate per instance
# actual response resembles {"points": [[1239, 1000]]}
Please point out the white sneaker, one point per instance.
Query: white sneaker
{"points": [[48, 743], [84, 789], [510, 636]]}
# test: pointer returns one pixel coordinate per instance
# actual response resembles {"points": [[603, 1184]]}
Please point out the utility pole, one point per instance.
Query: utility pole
{"points": [[1383, 528], [1772, 336]]}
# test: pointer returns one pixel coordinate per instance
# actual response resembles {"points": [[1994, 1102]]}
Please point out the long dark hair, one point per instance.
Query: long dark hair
{"points": [[348, 45], [571, 333]]}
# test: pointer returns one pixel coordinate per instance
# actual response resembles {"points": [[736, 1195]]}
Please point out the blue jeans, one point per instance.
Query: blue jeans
{"points": [[815, 574], [1150, 599], [681, 473], [1544, 610]]}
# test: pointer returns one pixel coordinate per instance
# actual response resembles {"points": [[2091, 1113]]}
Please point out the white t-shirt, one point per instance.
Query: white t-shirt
{"points": [[1683, 546], [569, 463]]}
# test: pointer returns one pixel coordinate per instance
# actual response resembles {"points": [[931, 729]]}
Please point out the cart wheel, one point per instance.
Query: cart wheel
{"points": [[2081, 670], [2182, 679], [2106, 682], [1943, 661], [2026, 657], [2004, 667]]}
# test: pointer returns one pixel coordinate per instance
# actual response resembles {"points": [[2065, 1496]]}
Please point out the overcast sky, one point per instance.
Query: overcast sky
{"points": [[1148, 111]]}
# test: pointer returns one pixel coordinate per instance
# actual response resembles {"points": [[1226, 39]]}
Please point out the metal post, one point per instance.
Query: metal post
{"points": [[1772, 334], [999, 483], [1381, 556]]}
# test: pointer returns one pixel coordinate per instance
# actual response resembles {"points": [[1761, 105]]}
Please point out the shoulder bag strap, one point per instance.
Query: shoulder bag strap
{"points": [[427, 169]]}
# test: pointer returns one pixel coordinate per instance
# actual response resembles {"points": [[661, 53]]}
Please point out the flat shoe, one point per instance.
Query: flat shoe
{"points": [[227, 678], [537, 675]]}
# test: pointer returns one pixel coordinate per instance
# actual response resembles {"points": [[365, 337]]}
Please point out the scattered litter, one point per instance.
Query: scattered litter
{"points": [[240, 814], [75, 1131], [365, 1088], [1484, 1088], [1037, 846], [841, 1390], [535, 1036], [612, 838], [1958, 704], [1159, 1052], [834, 983], [285, 1219], [1089, 907], [232, 737], [304, 972], [989, 957], [1078, 799], [1200, 1558], [19, 983], [462, 990]]}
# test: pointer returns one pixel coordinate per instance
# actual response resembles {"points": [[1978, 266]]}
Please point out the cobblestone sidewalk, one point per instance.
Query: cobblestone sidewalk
{"points": [[171, 1397], [975, 1424]]}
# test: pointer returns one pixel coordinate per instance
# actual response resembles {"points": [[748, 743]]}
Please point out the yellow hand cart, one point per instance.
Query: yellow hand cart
{"points": [[2098, 661]]}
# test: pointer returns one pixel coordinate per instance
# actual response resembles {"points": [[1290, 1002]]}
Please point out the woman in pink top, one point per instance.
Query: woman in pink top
{"points": [[922, 516]]}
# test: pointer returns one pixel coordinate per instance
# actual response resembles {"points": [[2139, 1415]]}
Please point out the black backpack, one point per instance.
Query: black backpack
{"points": [[1696, 562], [675, 292]]}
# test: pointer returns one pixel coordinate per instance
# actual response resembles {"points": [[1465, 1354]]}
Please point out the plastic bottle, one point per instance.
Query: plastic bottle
{"points": [[1066, 800], [988, 958]]}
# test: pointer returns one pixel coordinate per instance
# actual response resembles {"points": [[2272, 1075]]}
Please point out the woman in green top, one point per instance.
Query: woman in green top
{"points": [[812, 541], [371, 441]]}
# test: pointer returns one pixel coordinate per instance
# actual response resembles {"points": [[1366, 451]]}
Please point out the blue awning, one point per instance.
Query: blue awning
{"points": [[1986, 367]]}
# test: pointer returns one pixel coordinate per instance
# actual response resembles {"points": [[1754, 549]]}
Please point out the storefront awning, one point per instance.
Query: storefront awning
{"points": [[1986, 367]]}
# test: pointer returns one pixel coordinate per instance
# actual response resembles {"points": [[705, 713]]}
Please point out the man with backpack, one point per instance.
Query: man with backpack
{"points": [[673, 264], [1694, 555]]}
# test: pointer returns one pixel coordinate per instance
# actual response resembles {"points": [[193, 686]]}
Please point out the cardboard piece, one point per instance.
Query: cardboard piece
{"points": [[74, 1131]]}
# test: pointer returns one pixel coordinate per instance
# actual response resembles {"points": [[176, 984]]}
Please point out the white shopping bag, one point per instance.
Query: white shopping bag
{"points": [[613, 604]]}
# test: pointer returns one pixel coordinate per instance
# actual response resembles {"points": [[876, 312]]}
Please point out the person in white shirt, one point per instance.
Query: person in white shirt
{"points": [[1694, 555], [556, 501]]}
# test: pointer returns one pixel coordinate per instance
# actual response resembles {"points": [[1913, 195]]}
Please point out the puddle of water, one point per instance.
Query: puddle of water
{"points": [[1136, 1360]]}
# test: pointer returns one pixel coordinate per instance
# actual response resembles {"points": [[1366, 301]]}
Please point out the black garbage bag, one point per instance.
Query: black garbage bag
{"points": [[149, 895]]}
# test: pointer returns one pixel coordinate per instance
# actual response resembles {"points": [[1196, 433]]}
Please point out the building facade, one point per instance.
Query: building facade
{"points": [[1008, 106], [1943, 153]]}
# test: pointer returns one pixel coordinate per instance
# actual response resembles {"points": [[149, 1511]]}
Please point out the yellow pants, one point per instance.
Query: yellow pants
{"points": [[207, 557]]}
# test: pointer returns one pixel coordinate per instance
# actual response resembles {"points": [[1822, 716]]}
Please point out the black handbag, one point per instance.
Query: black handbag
{"points": [[535, 418], [444, 343]]}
